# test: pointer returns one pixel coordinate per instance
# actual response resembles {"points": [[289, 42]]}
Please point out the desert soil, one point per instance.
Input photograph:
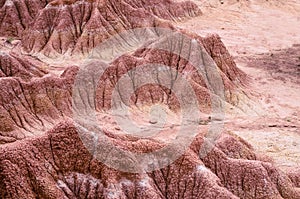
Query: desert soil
{"points": [[264, 40]]}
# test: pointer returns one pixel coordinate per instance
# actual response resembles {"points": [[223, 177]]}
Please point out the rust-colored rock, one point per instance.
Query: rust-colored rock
{"points": [[67, 27], [42, 149], [57, 165], [15, 16]]}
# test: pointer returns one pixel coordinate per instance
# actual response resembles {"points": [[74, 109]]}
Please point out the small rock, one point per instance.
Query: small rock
{"points": [[272, 125], [153, 122]]}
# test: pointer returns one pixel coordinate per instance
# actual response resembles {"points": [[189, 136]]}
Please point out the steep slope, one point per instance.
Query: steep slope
{"points": [[64, 27], [25, 67], [15, 16], [33, 101]]}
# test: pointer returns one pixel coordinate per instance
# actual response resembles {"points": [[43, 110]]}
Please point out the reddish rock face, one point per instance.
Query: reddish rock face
{"points": [[57, 165], [24, 67], [15, 16], [68, 27], [43, 153]]}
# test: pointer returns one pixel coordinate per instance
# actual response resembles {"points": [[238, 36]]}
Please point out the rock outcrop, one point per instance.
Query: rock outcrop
{"points": [[57, 165], [68, 27], [42, 149]]}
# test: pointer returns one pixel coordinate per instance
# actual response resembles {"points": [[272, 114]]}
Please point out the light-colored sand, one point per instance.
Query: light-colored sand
{"points": [[253, 31]]}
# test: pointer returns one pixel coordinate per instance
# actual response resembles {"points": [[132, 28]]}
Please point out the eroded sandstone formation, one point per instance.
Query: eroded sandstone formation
{"points": [[41, 152], [67, 27], [57, 165]]}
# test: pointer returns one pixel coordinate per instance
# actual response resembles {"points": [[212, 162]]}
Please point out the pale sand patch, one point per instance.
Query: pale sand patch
{"points": [[250, 30]]}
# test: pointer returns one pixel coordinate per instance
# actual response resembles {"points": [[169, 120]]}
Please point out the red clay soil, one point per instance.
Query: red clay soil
{"points": [[41, 152]]}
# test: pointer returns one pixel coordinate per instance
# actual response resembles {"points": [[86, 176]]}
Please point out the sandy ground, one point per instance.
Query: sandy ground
{"points": [[263, 37]]}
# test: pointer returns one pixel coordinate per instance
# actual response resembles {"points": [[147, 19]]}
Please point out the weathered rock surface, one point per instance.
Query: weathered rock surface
{"points": [[15, 16], [67, 27], [181, 60], [57, 165], [41, 151], [33, 101], [24, 67], [31, 108]]}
